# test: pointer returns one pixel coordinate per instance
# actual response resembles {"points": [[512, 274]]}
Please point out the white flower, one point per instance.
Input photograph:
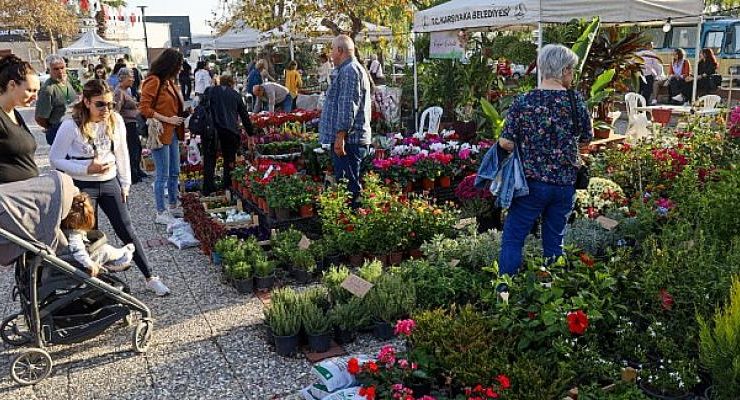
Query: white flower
{"points": [[419, 135], [398, 136], [437, 147], [424, 152], [319, 150]]}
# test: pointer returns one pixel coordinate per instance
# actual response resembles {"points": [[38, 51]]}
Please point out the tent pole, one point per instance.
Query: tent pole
{"points": [[540, 39], [696, 58], [292, 49], [416, 84]]}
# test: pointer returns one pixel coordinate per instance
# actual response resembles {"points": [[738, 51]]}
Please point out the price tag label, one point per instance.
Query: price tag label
{"points": [[454, 262], [464, 222], [607, 223], [304, 243], [268, 172], [356, 285]]}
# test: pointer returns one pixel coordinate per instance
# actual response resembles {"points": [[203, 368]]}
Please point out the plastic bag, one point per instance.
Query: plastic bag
{"points": [[346, 394], [333, 372], [182, 235]]}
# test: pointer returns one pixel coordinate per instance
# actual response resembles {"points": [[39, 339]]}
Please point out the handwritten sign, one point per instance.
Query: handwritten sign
{"points": [[304, 243], [446, 44], [607, 223], [454, 262], [356, 285], [464, 222]]}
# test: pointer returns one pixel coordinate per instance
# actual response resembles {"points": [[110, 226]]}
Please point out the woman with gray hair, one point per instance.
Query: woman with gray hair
{"points": [[127, 106], [547, 126]]}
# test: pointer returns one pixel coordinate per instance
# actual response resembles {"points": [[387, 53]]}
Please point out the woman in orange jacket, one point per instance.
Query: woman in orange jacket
{"points": [[679, 82], [162, 100]]}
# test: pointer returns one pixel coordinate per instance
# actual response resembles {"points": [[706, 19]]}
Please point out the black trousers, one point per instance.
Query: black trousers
{"points": [[107, 195], [646, 88], [134, 151], [229, 143], [186, 88], [679, 86]]}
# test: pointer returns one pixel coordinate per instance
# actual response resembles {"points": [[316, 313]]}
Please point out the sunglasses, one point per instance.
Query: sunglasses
{"points": [[100, 105]]}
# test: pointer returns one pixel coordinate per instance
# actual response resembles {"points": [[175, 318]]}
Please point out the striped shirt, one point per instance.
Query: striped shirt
{"points": [[348, 105]]}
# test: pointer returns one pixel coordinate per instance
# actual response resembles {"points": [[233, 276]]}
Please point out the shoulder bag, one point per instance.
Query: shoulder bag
{"points": [[583, 174], [154, 126]]}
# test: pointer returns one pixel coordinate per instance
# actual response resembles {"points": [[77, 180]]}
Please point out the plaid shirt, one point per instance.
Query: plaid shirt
{"points": [[347, 106]]}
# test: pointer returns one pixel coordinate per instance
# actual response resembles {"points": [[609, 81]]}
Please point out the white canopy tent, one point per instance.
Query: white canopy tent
{"points": [[90, 44], [484, 14], [238, 37]]}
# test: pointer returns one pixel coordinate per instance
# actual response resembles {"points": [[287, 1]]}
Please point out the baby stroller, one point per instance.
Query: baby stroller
{"points": [[59, 303]]}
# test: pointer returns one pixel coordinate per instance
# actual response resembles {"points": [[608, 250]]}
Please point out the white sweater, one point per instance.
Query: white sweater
{"points": [[69, 142]]}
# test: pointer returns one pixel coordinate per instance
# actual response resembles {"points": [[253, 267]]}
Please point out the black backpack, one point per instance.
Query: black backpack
{"points": [[201, 122]]}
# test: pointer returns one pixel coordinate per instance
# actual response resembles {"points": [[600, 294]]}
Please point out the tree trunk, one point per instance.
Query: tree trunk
{"points": [[53, 41], [37, 48]]}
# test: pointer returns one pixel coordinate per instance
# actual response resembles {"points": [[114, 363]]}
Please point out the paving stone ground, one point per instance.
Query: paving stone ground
{"points": [[208, 341]]}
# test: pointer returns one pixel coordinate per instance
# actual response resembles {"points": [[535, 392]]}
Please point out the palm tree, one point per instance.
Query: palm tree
{"points": [[100, 16]]}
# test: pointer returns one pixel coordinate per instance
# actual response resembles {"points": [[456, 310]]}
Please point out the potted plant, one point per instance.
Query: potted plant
{"points": [[264, 271], [303, 265], [388, 301], [240, 274], [317, 327], [285, 324], [347, 318], [223, 246], [719, 346], [283, 244]]}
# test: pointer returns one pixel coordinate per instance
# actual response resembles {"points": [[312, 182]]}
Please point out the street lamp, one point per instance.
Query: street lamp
{"points": [[146, 39]]}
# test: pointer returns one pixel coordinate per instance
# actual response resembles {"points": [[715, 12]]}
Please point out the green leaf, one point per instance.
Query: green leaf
{"points": [[582, 46], [602, 81]]}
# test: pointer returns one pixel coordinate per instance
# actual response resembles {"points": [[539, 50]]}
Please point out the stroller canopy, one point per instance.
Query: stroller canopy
{"points": [[33, 210]]}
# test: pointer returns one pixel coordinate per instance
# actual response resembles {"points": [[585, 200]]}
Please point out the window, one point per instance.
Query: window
{"points": [[683, 37], [657, 36], [714, 39]]}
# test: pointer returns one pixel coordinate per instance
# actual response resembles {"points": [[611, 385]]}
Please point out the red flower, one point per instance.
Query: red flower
{"points": [[531, 315], [666, 300], [372, 367], [368, 392], [491, 394], [586, 259], [353, 366], [504, 381], [577, 322]]}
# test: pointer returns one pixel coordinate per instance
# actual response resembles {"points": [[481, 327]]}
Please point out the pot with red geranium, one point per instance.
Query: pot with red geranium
{"points": [[428, 169], [317, 327]]}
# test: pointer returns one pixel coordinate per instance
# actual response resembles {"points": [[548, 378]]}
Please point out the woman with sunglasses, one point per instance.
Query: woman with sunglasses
{"points": [[91, 147]]}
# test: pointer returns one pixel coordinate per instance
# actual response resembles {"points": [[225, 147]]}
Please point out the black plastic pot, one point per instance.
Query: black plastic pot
{"points": [[421, 389], [653, 393], [334, 259], [244, 286], [270, 336], [301, 275], [264, 282], [344, 337], [281, 214], [286, 345], [383, 330], [319, 343]]}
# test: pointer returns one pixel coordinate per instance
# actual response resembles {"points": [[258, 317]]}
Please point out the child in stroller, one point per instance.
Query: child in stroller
{"points": [[77, 226]]}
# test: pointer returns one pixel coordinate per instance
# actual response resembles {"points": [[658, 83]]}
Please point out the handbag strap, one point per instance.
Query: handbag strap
{"points": [[573, 112]]}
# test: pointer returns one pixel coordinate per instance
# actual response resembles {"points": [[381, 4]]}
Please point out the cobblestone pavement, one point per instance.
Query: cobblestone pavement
{"points": [[208, 340]]}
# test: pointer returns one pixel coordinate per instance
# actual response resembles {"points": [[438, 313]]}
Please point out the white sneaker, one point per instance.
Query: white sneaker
{"points": [[164, 218], [678, 98], [654, 102], [157, 286]]}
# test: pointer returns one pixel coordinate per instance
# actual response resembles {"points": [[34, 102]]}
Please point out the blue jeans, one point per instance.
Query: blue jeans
{"points": [[287, 104], [167, 168], [348, 167], [554, 203]]}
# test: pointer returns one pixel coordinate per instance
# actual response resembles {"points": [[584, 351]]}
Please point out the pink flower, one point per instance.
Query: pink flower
{"points": [[403, 363], [405, 327], [387, 355], [427, 397], [397, 387], [464, 154]]}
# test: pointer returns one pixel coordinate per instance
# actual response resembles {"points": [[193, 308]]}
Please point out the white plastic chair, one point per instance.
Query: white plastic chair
{"points": [[432, 115], [632, 101], [709, 101]]}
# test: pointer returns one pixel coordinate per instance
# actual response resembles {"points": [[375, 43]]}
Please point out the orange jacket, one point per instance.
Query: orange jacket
{"points": [[685, 71], [169, 104]]}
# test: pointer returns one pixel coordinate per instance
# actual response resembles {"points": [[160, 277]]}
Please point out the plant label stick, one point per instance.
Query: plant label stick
{"points": [[356, 285]]}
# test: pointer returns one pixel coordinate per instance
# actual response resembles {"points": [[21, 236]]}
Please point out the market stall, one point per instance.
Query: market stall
{"points": [[91, 45]]}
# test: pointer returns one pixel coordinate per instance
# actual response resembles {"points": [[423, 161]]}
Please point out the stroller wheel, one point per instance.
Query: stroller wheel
{"points": [[142, 335], [14, 331], [31, 367]]}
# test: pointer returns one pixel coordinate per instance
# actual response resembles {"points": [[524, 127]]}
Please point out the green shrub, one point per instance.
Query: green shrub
{"points": [[719, 348], [332, 279], [284, 243], [371, 271], [350, 316], [390, 299], [263, 267], [283, 321], [239, 270], [314, 320]]}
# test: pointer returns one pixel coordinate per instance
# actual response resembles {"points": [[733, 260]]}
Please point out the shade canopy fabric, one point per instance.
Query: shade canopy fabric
{"points": [[471, 14], [320, 34], [90, 44], [238, 37]]}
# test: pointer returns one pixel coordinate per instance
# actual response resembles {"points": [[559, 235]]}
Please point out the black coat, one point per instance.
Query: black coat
{"points": [[226, 103]]}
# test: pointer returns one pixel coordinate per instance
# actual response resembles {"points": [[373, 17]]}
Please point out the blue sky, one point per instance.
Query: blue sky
{"points": [[198, 10]]}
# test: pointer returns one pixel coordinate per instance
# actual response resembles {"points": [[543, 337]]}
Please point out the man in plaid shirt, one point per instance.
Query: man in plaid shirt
{"points": [[345, 117]]}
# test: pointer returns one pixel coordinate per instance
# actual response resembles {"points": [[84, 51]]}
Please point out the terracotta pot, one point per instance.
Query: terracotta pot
{"points": [[427, 184], [383, 258], [282, 214], [602, 133], [444, 181], [379, 154], [306, 211], [395, 257], [416, 253], [409, 187], [356, 260]]}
